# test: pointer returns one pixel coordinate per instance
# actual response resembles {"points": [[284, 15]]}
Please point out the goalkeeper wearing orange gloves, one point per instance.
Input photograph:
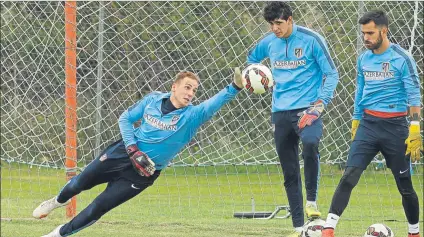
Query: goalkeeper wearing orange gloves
{"points": [[387, 83], [130, 165], [305, 78]]}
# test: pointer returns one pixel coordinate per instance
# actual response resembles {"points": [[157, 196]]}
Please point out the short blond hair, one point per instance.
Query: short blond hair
{"points": [[184, 74]]}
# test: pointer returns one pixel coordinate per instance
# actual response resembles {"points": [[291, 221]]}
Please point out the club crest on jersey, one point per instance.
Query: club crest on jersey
{"points": [[298, 52], [174, 119], [385, 67]]}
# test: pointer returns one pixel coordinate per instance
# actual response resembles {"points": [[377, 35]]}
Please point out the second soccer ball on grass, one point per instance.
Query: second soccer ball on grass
{"points": [[379, 230], [313, 228]]}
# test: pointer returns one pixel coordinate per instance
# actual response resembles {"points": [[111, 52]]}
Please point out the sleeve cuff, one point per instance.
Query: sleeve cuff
{"points": [[322, 101], [235, 86]]}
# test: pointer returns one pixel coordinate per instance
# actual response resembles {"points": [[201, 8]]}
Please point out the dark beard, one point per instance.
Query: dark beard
{"points": [[377, 44]]}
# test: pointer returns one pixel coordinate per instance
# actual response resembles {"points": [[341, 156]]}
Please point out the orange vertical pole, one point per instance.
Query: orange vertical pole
{"points": [[71, 97]]}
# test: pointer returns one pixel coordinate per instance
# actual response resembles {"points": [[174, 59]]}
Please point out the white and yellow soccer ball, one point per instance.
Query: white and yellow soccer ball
{"points": [[379, 230], [313, 228], [257, 78]]}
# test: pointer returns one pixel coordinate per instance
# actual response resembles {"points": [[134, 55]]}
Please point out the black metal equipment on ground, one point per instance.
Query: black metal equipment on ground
{"points": [[263, 215]]}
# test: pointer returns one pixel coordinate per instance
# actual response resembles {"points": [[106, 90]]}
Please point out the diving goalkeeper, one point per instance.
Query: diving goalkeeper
{"points": [[130, 165]]}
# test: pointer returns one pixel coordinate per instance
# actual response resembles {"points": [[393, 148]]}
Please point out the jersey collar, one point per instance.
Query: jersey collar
{"points": [[294, 32], [158, 101]]}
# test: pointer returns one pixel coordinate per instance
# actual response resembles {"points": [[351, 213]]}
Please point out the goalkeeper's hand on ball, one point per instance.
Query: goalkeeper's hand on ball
{"points": [[308, 116], [237, 78], [140, 161], [414, 143]]}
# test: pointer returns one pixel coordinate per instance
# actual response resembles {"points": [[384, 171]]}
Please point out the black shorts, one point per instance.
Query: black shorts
{"points": [[113, 163], [385, 135]]}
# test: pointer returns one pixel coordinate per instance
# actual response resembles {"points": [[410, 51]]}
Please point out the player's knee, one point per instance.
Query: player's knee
{"points": [[310, 144], [74, 185], [351, 177], [97, 210], [292, 178], [405, 186]]}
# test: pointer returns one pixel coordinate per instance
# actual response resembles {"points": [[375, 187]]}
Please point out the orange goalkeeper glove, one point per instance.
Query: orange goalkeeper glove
{"points": [[308, 116]]}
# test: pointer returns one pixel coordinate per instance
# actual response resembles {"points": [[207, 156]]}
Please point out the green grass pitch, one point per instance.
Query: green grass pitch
{"points": [[200, 201]]}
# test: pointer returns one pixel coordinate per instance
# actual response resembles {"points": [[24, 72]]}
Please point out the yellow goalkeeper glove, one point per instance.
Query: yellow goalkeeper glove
{"points": [[413, 142], [355, 125]]}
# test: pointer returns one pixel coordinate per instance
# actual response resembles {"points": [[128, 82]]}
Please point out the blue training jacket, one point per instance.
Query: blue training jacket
{"points": [[160, 136], [299, 65], [386, 82]]}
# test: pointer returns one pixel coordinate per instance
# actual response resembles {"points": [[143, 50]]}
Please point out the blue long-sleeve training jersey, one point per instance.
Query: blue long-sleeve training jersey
{"points": [[386, 82], [160, 136], [299, 65]]}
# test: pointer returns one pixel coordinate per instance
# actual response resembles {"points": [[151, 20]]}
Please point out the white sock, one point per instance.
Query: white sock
{"points": [[332, 220], [414, 229], [298, 229], [313, 203]]}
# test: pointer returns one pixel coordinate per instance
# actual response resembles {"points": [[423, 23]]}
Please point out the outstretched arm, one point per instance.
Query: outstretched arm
{"points": [[208, 108]]}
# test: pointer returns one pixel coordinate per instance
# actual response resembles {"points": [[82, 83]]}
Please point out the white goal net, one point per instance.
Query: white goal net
{"points": [[128, 49]]}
